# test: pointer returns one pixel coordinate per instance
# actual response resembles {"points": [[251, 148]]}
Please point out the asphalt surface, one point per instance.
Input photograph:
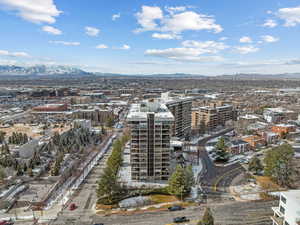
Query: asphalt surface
{"points": [[85, 198], [228, 213], [216, 179]]}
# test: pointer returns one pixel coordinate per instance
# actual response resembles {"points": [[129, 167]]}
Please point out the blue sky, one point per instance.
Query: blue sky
{"points": [[208, 37]]}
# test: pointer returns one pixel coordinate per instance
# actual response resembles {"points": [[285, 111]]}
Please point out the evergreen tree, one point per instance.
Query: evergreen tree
{"points": [[189, 177], [221, 144], [55, 169], [2, 137], [108, 185], [24, 167], [255, 165], [19, 170], [180, 182], [56, 139], [278, 164], [221, 151]]}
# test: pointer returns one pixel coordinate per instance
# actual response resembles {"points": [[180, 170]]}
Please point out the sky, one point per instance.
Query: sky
{"points": [[207, 37]]}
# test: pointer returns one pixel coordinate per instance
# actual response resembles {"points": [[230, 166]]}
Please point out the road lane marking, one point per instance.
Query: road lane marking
{"points": [[221, 177]]}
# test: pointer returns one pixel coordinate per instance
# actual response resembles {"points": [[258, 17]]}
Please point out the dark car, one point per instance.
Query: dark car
{"points": [[180, 219], [98, 224], [175, 208]]}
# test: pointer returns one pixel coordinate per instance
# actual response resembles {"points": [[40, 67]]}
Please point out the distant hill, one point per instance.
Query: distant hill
{"points": [[172, 75], [196, 76], [40, 70], [261, 76], [44, 70]]}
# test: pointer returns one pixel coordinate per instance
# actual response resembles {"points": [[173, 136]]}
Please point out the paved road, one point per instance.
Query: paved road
{"points": [[229, 213], [216, 178], [85, 198]]}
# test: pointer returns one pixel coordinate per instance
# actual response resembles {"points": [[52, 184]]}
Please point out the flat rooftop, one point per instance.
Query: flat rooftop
{"points": [[279, 110], [140, 111]]}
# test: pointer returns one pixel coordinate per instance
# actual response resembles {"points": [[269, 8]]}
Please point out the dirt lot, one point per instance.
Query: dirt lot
{"points": [[31, 131], [23, 128]]}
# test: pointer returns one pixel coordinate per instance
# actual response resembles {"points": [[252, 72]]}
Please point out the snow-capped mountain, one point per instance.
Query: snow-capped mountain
{"points": [[40, 70]]}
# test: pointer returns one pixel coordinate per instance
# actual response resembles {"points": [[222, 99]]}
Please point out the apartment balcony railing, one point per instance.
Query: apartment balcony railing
{"points": [[277, 212], [277, 220]]}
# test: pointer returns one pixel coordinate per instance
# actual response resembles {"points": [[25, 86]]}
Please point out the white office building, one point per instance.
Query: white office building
{"points": [[288, 211]]}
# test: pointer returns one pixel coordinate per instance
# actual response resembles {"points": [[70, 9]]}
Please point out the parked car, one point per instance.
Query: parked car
{"points": [[5, 222], [175, 208], [180, 219], [72, 207], [98, 224]]}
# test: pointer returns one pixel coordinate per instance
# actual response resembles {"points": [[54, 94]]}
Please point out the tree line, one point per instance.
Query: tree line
{"points": [[18, 138], [72, 141], [109, 189]]}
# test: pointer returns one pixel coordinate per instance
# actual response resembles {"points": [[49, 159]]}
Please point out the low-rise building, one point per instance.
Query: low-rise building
{"points": [[283, 129], [51, 108], [254, 141], [277, 115], [271, 137], [238, 146]]}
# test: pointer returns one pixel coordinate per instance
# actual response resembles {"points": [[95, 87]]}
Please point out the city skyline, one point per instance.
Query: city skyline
{"points": [[142, 37]]}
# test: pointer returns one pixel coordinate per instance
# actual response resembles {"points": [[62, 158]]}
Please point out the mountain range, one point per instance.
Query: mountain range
{"points": [[40, 70], [43, 70]]}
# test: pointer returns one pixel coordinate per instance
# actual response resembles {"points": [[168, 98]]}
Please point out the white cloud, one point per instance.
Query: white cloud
{"points": [[116, 16], [101, 46], [36, 11], [175, 9], [290, 15], [14, 54], [92, 31], [206, 46], [191, 51], [245, 39], [223, 38], [270, 23], [166, 36], [51, 30], [125, 47], [147, 18], [190, 21], [153, 19], [68, 43], [246, 49], [182, 54], [269, 39]]}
